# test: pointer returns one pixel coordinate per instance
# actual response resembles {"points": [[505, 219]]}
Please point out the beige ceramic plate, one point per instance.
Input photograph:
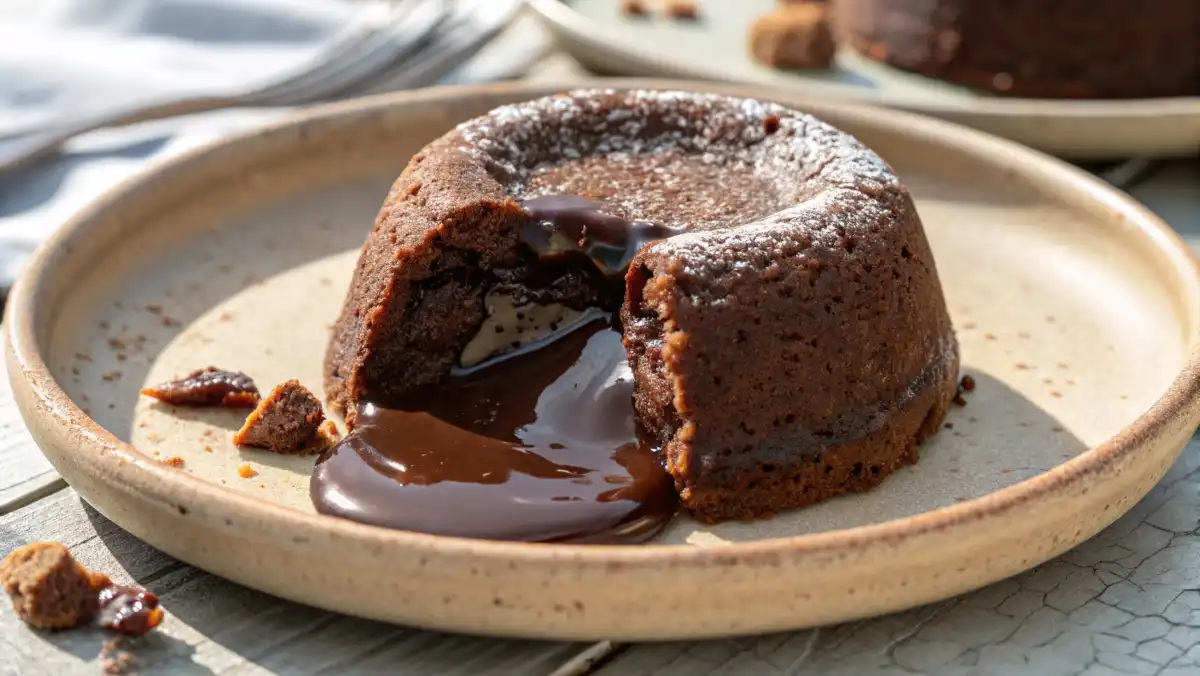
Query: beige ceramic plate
{"points": [[596, 33], [1078, 312]]}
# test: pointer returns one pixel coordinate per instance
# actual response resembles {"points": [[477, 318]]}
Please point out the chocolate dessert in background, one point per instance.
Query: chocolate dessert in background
{"points": [[784, 328], [794, 35], [1077, 49]]}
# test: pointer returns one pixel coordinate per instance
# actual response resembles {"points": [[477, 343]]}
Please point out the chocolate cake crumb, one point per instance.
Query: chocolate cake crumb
{"points": [[114, 661], [794, 36], [966, 384], [771, 124], [328, 433], [636, 8], [48, 588], [246, 471], [287, 421], [683, 10], [209, 386]]}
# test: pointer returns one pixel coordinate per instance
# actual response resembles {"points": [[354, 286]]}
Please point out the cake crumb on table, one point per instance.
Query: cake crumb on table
{"points": [[246, 471], [174, 461], [114, 661], [49, 589]]}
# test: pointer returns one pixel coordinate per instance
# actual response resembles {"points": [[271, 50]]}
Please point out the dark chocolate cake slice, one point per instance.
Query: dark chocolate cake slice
{"points": [[788, 339], [1067, 49]]}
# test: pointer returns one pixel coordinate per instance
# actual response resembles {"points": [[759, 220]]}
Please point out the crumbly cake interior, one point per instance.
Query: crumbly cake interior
{"points": [[709, 176]]}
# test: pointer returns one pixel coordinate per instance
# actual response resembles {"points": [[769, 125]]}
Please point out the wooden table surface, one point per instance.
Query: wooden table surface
{"points": [[1125, 602]]}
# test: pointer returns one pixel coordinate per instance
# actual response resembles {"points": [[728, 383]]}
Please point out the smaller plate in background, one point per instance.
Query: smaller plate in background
{"points": [[715, 48]]}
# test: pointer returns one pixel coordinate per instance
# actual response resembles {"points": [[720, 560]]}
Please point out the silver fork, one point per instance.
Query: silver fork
{"points": [[471, 25], [397, 32]]}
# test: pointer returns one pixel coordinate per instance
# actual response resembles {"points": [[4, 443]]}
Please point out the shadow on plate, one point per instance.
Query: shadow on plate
{"points": [[998, 439]]}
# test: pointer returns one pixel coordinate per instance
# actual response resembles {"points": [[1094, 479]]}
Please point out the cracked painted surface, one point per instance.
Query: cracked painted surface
{"points": [[1124, 602]]}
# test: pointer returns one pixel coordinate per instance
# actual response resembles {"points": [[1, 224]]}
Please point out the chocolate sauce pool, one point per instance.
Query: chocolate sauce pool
{"points": [[540, 447], [536, 446]]}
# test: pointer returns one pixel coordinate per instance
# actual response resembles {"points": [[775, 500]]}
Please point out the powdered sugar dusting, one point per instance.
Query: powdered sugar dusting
{"points": [[756, 180]]}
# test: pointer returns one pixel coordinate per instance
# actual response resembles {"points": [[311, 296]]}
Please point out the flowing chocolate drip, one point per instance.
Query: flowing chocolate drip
{"points": [[538, 447], [563, 225], [128, 610]]}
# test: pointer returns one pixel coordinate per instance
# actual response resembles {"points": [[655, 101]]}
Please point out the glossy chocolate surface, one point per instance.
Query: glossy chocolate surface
{"points": [[563, 225], [538, 447]]}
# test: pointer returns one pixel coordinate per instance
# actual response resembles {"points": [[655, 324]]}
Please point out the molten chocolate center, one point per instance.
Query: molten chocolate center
{"points": [[563, 225], [537, 445]]}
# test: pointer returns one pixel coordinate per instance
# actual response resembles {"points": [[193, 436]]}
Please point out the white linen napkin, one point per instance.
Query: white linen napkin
{"points": [[88, 55], [58, 55]]}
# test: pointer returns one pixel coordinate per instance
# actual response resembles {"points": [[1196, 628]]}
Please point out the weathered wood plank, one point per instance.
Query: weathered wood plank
{"points": [[25, 474], [217, 626], [1123, 602], [1173, 192]]}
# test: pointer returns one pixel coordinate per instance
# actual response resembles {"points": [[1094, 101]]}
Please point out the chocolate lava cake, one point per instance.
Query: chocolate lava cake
{"points": [[1099, 49], [791, 343]]}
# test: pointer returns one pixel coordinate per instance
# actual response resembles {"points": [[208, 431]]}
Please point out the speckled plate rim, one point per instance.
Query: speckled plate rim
{"points": [[1008, 117], [56, 419]]}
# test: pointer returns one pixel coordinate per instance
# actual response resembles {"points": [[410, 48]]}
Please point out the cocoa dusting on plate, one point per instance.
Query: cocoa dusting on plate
{"points": [[209, 386]]}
